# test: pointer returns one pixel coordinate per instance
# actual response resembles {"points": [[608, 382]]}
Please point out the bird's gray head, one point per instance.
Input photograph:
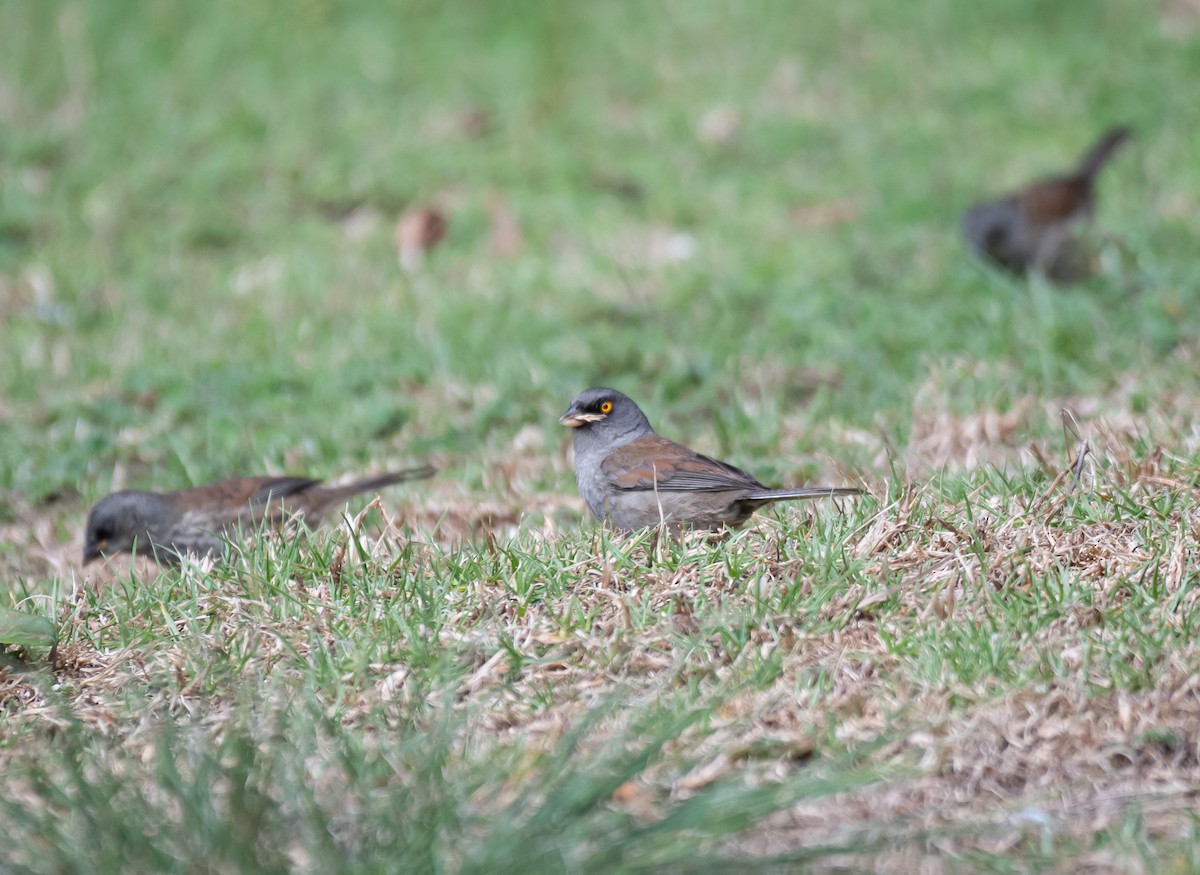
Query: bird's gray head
{"points": [[121, 521], [605, 417]]}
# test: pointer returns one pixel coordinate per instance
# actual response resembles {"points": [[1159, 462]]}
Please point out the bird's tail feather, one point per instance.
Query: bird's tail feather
{"points": [[367, 484], [803, 492], [1097, 156]]}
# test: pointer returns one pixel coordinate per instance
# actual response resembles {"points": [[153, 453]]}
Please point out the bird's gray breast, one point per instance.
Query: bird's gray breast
{"points": [[591, 449], [593, 486]]}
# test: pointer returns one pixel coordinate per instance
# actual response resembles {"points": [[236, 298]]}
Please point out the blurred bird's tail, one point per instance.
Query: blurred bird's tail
{"points": [[369, 484], [803, 492], [1097, 156]]}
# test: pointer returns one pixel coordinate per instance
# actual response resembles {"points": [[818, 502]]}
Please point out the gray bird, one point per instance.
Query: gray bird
{"points": [[630, 477], [168, 525], [1032, 230]]}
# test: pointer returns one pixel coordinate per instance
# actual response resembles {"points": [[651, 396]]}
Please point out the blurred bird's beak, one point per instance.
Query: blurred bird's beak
{"points": [[92, 552], [574, 418]]}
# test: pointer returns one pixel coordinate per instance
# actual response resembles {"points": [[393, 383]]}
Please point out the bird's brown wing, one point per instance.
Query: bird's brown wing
{"points": [[242, 496], [653, 463], [1055, 200], [204, 514]]}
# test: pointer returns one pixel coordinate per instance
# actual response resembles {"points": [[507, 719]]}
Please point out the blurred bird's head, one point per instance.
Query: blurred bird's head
{"points": [[122, 522]]}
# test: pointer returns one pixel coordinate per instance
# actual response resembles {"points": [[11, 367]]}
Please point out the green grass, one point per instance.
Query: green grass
{"points": [[198, 278]]}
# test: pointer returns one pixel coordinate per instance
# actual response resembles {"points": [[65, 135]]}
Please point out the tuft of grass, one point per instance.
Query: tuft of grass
{"points": [[292, 789]]}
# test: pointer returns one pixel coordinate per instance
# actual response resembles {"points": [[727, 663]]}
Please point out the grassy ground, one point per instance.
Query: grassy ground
{"points": [[744, 215]]}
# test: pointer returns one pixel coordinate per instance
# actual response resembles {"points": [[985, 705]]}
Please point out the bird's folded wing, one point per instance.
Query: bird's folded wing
{"points": [[238, 493], [655, 463], [1053, 200]]}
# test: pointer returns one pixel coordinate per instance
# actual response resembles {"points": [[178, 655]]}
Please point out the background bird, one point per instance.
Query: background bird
{"points": [[168, 525], [630, 477], [1032, 230]]}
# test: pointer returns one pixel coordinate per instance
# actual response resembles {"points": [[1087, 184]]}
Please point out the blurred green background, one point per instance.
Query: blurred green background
{"points": [[744, 215]]}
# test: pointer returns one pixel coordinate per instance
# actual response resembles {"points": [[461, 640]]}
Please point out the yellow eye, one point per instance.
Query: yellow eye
{"points": [[606, 407]]}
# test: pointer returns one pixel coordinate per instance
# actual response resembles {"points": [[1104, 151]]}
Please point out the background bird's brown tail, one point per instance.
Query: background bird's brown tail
{"points": [[804, 492], [367, 484], [1097, 156]]}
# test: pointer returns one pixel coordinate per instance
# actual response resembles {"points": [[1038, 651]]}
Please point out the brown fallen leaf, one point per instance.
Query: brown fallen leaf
{"points": [[475, 122], [834, 212], [418, 230], [637, 800]]}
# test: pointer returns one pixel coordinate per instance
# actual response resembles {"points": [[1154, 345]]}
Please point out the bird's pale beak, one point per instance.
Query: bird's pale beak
{"points": [[575, 418]]}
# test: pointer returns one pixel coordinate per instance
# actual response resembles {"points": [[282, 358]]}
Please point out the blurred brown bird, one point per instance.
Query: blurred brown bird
{"points": [[169, 525], [1032, 229]]}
